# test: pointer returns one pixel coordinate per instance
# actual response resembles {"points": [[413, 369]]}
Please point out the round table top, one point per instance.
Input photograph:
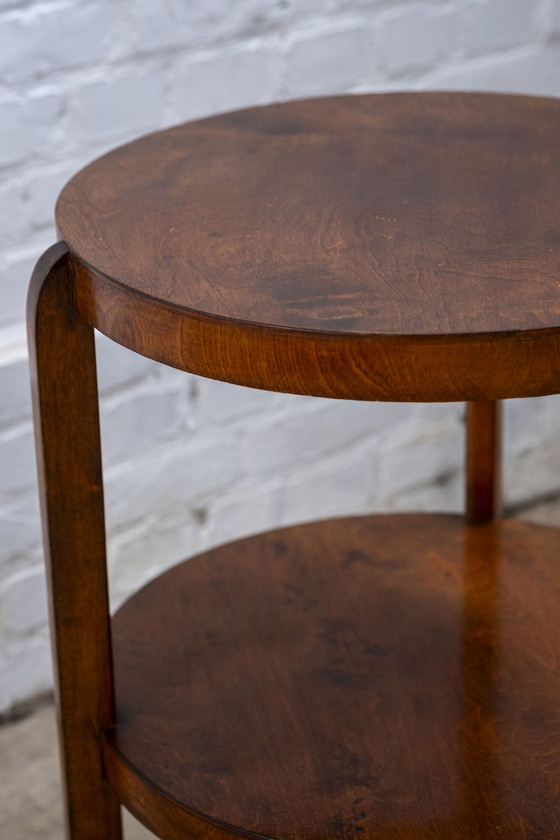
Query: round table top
{"points": [[390, 215], [390, 677]]}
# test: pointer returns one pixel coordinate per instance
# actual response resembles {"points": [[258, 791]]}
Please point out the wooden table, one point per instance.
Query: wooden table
{"points": [[394, 677]]}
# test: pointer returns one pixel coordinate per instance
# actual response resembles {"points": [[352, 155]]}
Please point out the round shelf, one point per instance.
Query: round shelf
{"points": [[395, 246], [390, 676]]}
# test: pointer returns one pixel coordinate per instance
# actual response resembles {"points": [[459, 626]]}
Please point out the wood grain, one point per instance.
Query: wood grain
{"points": [[483, 462], [396, 214], [388, 677], [62, 359], [396, 246], [391, 677], [347, 367]]}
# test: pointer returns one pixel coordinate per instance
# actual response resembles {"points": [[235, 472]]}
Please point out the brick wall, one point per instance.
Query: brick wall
{"points": [[78, 77]]}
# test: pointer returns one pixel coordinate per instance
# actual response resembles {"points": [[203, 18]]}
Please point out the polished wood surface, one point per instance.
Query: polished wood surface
{"points": [[383, 676], [483, 460], [401, 214], [346, 367], [62, 360], [396, 246]]}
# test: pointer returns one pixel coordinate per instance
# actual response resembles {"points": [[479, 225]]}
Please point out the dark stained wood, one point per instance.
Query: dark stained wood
{"points": [[481, 730], [383, 676], [484, 431], [396, 214], [391, 677], [396, 246], [152, 807], [348, 367], [62, 357]]}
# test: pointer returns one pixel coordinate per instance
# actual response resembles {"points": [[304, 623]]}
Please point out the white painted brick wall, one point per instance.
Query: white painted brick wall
{"points": [[192, 462], [415, 40], [494, 25], [198, 84], [46, 38], [328, 59], [554, 20], [29, 126]]}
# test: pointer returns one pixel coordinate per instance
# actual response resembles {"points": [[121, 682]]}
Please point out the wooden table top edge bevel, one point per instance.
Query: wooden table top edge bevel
{"points": [[357, 366], [158, 810]]}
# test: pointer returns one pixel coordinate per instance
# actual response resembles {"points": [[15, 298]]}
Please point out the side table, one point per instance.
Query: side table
{"points": [[393, 677]]}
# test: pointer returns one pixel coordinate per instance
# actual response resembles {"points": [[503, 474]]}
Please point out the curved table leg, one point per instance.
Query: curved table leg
{"points": [[62, 358]]}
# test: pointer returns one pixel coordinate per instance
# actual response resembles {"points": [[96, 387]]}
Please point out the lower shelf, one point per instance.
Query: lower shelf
{"points": [[385, 676]]}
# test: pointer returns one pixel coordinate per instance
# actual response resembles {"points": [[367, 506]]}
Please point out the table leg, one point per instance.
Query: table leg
{"points": [[62, 358], [484, 421]]}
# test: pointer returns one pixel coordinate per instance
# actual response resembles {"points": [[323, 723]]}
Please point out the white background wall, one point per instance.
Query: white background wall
{"points": [[193, 462]]}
